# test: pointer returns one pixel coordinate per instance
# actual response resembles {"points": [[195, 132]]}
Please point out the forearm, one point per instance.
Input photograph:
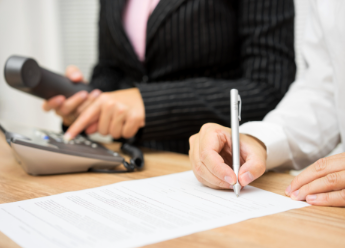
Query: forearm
{"points": [[176, 110], [300, 131]]}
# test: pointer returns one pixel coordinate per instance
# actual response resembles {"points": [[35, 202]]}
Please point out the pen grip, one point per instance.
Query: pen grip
{"points": [[235, 136]]}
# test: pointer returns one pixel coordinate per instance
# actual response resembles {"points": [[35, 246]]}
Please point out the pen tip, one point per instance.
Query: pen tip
{"points": [[237, 188]]}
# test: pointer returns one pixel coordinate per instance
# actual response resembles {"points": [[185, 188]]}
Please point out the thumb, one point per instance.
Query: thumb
{"points": [[250, 171], [74, 74], [254, 155]]}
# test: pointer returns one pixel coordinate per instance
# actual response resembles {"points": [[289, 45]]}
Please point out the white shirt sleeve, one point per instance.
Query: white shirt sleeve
{"points": [[304, 126]]}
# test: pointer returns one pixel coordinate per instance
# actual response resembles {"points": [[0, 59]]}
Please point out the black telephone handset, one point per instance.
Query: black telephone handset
{"points": [[26, 75]]}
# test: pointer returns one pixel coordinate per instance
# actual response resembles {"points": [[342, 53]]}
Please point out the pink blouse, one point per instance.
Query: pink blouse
{"points": [[136, 15]]}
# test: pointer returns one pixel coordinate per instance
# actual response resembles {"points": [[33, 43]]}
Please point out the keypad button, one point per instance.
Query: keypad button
{"points": [[54, 137]]}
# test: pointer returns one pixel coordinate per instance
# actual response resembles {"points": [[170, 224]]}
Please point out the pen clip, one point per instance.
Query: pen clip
{"points": [[239, 107]]}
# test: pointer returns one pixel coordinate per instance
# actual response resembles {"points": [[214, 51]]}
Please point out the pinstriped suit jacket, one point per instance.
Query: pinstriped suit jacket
{"points": [[196, 51]]}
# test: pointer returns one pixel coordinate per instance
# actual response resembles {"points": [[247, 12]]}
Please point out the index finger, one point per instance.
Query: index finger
{"points": [[53, 103], [200, 171], [319, 169], [89, 116], [213, 140]]}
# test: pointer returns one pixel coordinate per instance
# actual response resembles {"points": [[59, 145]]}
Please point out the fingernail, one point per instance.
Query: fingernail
{"points": [[288, 190], [231, 187], [83, 94], [294, 195], [59, 100], [246, 178], [67, 137], [75, 75], [311, 198], [229, 180], [95, 93]]}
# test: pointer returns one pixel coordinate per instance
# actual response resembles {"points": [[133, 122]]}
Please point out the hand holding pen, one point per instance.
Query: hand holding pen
{"points": [[211, 157]]}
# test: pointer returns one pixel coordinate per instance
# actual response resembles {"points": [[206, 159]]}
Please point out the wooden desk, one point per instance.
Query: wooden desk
{"points": [[306, 227]]}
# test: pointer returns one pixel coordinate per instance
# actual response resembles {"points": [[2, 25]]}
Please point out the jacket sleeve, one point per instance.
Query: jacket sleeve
{"points": [[176, 110], [304, 126]]}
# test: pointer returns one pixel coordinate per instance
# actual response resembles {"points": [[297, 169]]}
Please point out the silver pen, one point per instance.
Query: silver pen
{"points": [[236, 104]]}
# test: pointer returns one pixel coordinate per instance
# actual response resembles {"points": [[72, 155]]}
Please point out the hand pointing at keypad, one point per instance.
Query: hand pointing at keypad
{"points": [[120, 113]]}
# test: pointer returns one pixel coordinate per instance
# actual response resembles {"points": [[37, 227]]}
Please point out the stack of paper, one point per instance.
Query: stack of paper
{"points": [[133, 213]]}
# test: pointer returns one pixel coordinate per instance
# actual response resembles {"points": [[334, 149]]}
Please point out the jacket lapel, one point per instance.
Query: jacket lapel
{"points": [[162, 10], [114, 11]]}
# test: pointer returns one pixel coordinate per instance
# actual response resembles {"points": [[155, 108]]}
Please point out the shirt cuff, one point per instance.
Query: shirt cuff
{"points": [[274, 138]]}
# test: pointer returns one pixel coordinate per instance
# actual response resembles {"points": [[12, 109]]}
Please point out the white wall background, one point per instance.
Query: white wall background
{"points": [[79, 25], [28, 28]]}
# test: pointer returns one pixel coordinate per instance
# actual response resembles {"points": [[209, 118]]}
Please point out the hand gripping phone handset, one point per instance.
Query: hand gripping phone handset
{"points": [[26, 75]]}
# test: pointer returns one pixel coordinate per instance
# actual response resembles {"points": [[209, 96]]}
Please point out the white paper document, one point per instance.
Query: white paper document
{"points": [[134, 213]]}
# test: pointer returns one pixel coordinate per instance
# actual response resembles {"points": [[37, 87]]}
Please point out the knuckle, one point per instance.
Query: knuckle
{"points": [[306, 188], [203, 155], [332, 179], [206, 127], [120, 108], [108, 105], [320, 165], [198, 168], [191, 139], [133, 117], [327, 197], [104, 97], [295, 181]]}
